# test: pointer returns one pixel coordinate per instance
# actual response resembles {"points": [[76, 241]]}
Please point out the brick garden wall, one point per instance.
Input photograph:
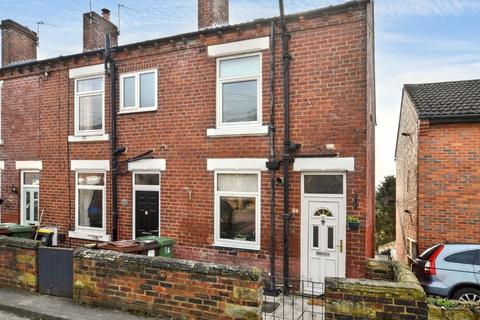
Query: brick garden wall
{"points": [[18, 263], [169, 288], [352, 299]]}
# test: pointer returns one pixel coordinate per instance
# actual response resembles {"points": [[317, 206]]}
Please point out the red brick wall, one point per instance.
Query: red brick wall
{"points": [[331, 102], [449, 184], [407, 178]]}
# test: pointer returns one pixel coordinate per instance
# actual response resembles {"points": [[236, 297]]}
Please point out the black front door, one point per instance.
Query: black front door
{"points": [[146, 213]]}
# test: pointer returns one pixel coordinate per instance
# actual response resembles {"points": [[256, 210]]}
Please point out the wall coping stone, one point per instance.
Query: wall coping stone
{"points": [[252, 274], [19, 242]]}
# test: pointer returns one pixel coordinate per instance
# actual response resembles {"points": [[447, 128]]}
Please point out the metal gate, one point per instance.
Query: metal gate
{"points": [[55, 271]]}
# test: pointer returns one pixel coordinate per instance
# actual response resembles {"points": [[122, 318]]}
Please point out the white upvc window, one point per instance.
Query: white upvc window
{"points": [[90, 105], [239, 91], [237, 209], [30, 190], [138, 91], [90, 203]]}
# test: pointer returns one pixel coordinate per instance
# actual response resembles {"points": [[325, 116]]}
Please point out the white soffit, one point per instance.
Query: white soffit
{"points": [[87, 71], [238, 47], [2, 165], [237, 164], [28, 165], [324, 164], [148, 165], [103, 165]]}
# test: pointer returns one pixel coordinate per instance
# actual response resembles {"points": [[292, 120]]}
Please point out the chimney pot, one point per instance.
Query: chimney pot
{"points": [[106, 13], [19, 43], [212, 13]]}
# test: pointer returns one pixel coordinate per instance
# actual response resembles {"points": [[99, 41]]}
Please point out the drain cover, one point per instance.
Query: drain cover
{"points": [[269, 307]]}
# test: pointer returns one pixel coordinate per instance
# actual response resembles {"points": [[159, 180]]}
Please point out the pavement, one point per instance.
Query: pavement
{"points": [[20, 305]]}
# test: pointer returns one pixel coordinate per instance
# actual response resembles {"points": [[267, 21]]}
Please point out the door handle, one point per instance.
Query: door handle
{"points": [[341, 246]]}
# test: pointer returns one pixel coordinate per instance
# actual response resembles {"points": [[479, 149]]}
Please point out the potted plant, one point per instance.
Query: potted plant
{"points": [[353, 223]]}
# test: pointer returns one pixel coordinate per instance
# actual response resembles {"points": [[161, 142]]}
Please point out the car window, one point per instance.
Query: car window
{"points": [[465, 257], [477, 260]]}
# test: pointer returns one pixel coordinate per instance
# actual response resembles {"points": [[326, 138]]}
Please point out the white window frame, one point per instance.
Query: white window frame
{"points": [[231, 243], [91, 230], [221, 81], [142, 187], [22, 200], [137, 107], [78, 132], [2, 167]]}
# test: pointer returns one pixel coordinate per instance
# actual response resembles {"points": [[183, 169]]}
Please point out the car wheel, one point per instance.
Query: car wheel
{"points": [[467, 295]]}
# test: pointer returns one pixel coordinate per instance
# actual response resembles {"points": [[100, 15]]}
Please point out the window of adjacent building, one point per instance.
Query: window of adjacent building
{"points": [[89, 106], [90, 200], [138, 91], [237, 210], [30, 189], [239, 90], [1, 86]]}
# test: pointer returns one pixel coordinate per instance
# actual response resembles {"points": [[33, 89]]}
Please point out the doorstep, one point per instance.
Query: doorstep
{"points": [[37, 306]]}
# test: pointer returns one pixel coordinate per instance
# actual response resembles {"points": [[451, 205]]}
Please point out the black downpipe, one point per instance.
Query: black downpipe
{"points": [[286, 157], [111, 71], [271, 131]]}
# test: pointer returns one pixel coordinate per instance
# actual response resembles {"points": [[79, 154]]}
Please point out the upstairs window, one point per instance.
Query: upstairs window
{"points": [[89, 106], [138, 91], [239, 90]]}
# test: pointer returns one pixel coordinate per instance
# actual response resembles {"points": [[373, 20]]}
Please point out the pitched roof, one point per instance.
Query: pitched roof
{"points": [[445, 99]]}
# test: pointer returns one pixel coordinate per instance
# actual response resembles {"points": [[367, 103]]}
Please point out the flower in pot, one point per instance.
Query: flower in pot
{"points": [[353, 223]]}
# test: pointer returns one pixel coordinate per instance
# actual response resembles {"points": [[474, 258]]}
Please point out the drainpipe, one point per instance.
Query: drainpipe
{"points": [[272, 164], [286, 156], [111, 71]]}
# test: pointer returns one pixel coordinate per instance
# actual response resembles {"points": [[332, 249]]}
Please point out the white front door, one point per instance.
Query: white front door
{"points": [[323, 228]]}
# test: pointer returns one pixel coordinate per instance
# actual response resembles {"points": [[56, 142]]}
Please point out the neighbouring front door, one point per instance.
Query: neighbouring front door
{"points": [[30, 197], [323, 228], [147, 203]]}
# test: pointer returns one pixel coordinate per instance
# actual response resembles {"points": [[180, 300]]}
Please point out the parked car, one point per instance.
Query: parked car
{"points": [[451, 271]]}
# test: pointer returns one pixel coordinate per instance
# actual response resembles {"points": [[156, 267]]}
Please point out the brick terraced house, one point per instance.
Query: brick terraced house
{"points": [[438, 166], [196, 144]]}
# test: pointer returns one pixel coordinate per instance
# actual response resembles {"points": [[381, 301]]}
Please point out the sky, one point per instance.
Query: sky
{"points": [[416, 41]]}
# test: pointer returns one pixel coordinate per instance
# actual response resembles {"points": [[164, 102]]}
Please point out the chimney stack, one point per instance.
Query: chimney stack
{"points": [[19, 43], [95, 28], [212, 13]]}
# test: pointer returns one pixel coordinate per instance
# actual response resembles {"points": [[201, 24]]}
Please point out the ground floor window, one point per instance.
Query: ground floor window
{"points": [[30, 190], [90, 200], [237, 209]]}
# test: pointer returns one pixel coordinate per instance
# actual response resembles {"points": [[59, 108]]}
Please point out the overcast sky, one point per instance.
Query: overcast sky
{"points": [[416, 40]]}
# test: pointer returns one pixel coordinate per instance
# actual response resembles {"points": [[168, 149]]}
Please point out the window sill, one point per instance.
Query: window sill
{"points": [[1, 141], [103, 137], [238, 246], [237, 131], [89, 236], [138, 110]]}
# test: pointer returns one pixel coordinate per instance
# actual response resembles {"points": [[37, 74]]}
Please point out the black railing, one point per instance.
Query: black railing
{"points": [[302, 301]]}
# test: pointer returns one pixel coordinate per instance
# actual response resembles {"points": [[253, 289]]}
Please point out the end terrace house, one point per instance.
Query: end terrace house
{"points": [[248, 144]]}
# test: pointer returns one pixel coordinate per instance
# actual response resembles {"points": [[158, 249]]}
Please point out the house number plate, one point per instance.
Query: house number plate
{"points": [[320, 253]]}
